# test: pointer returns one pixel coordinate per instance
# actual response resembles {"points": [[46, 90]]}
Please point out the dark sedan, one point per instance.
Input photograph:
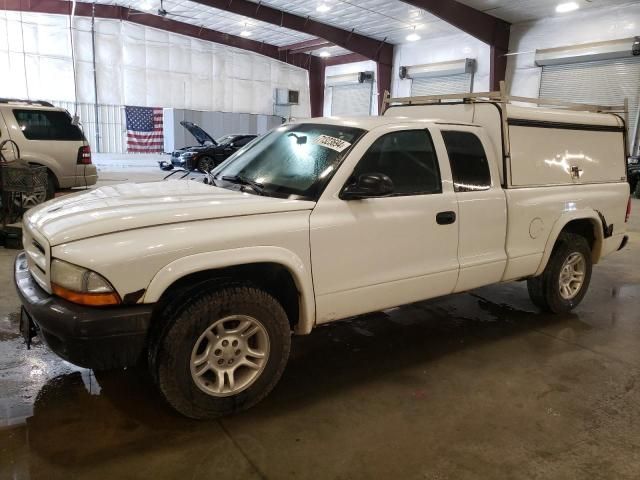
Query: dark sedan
{"points": [[209, 153]]}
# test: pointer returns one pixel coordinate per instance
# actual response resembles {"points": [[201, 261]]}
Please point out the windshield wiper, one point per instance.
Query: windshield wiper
{"points": [[241, 180]]}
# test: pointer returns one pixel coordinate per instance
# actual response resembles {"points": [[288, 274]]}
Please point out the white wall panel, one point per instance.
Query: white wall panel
{"points": [[138, 65], [444, 49], [593, 25]]}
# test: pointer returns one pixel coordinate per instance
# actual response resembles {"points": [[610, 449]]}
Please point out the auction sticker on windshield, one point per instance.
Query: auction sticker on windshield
{"points": [[331, 142]]}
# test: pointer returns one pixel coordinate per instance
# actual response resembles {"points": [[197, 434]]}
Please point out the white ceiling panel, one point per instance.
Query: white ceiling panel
{"points": [[515, 11], [390, 20], [208, 17], [380, 19]]}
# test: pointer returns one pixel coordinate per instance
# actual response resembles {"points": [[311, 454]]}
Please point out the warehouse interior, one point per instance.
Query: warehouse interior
{"points": [[479, 384]]}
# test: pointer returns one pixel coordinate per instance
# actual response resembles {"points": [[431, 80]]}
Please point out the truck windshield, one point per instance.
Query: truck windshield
{"points": [[292, 161]]}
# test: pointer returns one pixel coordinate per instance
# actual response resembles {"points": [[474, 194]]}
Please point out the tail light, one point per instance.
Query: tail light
{"points": [[84, 155], [626, 219]]}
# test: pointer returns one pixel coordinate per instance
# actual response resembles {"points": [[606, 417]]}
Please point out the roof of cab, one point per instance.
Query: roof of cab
{"points": [[369, 123]]}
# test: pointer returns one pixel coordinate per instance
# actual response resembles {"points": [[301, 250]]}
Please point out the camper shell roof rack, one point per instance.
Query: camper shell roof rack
{"points": [[499, 97], [502, 98]]}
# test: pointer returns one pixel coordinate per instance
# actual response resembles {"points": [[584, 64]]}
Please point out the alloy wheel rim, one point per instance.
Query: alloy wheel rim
{"points": [[205, 164], [572, 275], [230, 355], [31, 200]]}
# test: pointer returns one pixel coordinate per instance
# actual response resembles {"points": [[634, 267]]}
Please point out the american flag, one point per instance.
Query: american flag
{"points": [[144, 130]]}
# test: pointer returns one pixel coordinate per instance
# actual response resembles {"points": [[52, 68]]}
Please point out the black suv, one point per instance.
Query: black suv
{"points": [[209, 153]]}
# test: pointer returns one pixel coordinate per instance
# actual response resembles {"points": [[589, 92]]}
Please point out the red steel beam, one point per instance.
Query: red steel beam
{"points": [[347, 58], [376, 50], [486, 28], [311, 49], [83, 9], [383, 77], [316, 86], [306, 46]]}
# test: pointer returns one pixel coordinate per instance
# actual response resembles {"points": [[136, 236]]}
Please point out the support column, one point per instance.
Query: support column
{"points": [[316, 70], [498, 67], [383, 78]]}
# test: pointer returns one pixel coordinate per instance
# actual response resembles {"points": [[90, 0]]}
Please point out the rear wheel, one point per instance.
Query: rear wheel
{"points": [[222, 352], [206, 164], [39, 196], [565, 280]]}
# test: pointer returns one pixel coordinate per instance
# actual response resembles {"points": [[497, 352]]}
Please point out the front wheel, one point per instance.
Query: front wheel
{"points": [[223, 352], [206, 164], [566, 278]]}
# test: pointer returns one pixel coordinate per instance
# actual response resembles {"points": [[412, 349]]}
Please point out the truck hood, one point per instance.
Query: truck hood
{"points": [[137, 205]]}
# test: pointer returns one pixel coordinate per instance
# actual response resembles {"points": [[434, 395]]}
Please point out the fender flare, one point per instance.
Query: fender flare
{"points": [[200, 262], [558, 226]]}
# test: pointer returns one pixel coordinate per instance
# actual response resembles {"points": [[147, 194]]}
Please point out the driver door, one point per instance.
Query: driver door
{"points": [[375, 253]]}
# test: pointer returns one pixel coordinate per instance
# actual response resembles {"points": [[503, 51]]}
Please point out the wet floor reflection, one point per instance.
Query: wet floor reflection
{"points": [[59, 419]]}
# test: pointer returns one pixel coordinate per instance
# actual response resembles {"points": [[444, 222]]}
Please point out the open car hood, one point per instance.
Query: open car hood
{"points": [[199, 134]]}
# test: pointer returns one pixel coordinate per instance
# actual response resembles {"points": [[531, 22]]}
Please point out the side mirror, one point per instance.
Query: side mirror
{"points": [[368, 185], [232, 145]]}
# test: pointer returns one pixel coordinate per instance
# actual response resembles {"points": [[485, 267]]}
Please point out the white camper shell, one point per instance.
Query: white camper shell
{"points": [[539, 146]]}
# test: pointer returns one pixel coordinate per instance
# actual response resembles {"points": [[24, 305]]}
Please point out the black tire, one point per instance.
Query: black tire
{"points": [[544, 290], [633, 186], [206, 164], [51, 186], [170, 350]]}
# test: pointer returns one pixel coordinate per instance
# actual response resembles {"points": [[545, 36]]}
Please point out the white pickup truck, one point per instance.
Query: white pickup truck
{"points": [[321, 220]]}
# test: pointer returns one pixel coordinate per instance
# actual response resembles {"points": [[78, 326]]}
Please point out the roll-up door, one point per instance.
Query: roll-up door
{"points": [[351, 93], [601, 82], [462, 83], [442, 78], [351, 100]]}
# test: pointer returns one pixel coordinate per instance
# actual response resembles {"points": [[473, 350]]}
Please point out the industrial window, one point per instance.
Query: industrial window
{"points": [[602, 82], [407, 158], [47, 125], [469, 164]]}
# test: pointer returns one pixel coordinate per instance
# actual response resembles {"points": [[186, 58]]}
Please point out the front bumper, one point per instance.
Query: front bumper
{"points": [[97, 338]]}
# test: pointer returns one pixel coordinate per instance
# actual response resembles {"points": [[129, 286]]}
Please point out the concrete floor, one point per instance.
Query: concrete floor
{"points": [[477, 385]]}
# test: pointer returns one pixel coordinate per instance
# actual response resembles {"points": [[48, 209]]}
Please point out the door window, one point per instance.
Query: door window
{"points": [[469, 163], [408, 158], [47, 125], [241, 142]]}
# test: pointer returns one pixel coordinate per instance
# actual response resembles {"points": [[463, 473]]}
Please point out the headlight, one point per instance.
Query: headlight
{"points": [[80, 285]]}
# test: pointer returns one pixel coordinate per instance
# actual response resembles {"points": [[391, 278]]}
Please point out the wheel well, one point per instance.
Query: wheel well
{"points": [[273, 278], [587, 229], [50, 173]]}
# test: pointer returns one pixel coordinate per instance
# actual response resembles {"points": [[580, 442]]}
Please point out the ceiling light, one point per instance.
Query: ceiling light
{"points": [[325, 54], [567, 7], [323, 7], [412, 37]]}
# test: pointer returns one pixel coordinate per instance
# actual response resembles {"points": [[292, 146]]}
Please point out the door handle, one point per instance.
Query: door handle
{"points": [[446, 218]]}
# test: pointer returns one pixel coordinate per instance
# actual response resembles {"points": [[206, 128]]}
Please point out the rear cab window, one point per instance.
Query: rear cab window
{"points": [[53, 125], [469, 162]]}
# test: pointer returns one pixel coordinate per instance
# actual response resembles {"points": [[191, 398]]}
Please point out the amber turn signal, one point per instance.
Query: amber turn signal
{"points": [[89, 299]]}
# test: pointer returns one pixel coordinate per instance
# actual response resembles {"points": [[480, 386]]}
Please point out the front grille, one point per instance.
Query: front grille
{"points": [[37, 256]]}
